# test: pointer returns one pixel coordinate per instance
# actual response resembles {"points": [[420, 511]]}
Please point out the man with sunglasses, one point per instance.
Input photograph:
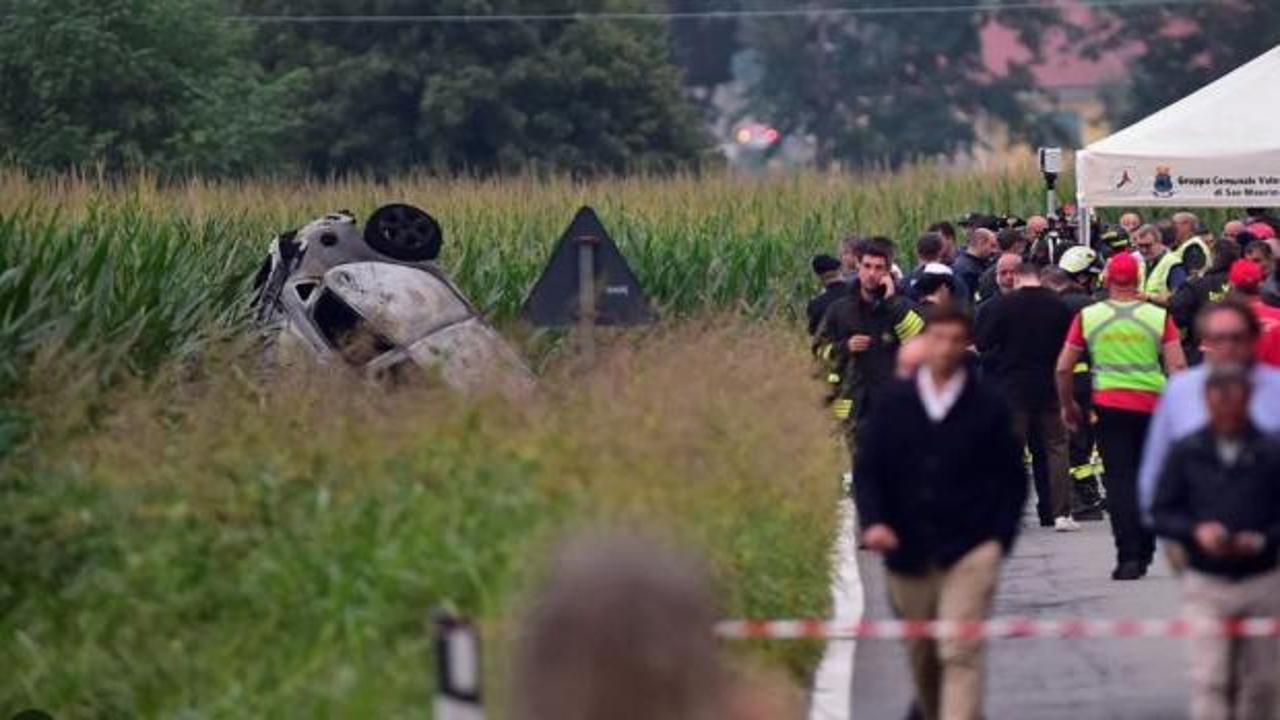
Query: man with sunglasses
{"points": [[1228, 332]]}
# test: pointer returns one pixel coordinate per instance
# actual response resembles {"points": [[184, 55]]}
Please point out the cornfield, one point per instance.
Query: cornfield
{"points": [[129, 273]]}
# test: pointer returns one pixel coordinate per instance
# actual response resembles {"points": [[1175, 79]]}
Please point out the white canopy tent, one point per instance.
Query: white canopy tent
{"points": [[1219, 146]]}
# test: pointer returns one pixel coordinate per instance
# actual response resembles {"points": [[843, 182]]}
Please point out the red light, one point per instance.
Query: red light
{"points": [[771, 136]]}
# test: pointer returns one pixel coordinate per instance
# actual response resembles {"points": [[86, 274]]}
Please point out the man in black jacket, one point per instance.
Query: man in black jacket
{"points": [[940, 492], [1074, 279], [1219, 496], [1024, 331]]}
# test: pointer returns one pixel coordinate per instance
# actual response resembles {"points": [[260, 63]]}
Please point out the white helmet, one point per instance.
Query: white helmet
{"points": [[1078, 259]]}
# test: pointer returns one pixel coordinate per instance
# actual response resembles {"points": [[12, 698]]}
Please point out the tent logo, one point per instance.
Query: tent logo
{"points": [[1125, 181], [1164, 182]]}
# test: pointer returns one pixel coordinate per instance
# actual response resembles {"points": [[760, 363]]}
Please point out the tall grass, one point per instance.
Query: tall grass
{"points": [[221, 547]]}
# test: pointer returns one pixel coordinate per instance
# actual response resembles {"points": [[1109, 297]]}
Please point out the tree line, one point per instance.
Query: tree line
{"points": [[208, 86]]}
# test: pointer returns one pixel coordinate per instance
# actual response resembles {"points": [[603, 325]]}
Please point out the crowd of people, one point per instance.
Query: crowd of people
{"points": [[1132, 379]]}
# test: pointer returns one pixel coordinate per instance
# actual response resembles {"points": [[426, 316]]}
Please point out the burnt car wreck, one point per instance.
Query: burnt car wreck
{"points": [[375, 300]]}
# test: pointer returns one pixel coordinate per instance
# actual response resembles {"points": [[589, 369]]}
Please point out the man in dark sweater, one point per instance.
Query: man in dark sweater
{"points": [[1219, 496], [940, 492], [1023, 331], [976, 258]]}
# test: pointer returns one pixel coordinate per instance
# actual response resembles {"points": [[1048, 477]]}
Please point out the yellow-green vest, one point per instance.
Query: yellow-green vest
{"points": [[1124, 340], [1156, 282]]}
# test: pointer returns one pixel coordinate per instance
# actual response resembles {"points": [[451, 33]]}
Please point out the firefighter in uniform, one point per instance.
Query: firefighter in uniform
{"points": [[1082, 269], [834, 287], [1196, 255], [860, 336], [1127, 339], [1201, 292]]}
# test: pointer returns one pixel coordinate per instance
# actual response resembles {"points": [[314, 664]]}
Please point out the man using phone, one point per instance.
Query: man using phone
{"points": [[1219, 496], [861, 334]]}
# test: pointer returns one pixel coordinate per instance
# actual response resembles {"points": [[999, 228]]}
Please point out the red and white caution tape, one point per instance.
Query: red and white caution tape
{"points": [[998, 628]]}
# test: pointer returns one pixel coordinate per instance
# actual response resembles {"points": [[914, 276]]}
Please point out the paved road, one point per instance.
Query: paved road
{"points": [[1050, 576]]}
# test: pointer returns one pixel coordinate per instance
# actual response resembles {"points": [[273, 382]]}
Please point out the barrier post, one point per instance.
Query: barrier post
{"points": [[457, 648]]}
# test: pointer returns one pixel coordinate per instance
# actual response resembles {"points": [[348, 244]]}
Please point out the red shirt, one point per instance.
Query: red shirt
{"points": [[1268, 348], [1268, 317], [1142, 401]]}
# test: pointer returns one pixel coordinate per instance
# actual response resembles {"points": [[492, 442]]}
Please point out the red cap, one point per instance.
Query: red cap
{"points": [[1245, 274], [1261, 230], [1122, 269]]}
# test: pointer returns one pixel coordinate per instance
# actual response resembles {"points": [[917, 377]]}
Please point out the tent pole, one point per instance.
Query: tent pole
{"points": [[1085, 233]]}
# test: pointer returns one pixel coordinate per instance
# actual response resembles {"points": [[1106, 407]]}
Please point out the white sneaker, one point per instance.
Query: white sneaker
{"points": [[1065, 524]]}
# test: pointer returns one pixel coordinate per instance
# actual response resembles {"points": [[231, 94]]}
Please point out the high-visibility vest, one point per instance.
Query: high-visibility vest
{"points": [[1156, 282], [1198, 242], [1124, 344]]}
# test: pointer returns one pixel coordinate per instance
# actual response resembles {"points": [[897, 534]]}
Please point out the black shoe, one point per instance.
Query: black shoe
{"points": [[1128, 570], [1046, 522], [913, 713], [1088, 514]]}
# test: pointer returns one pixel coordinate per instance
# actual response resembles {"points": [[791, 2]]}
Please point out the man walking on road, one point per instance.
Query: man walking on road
{"points": [[940, 491], [1126, 339], [1219, 495], [1024, 330]]}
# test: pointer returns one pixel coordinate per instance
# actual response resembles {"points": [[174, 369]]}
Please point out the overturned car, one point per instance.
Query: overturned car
{"points": [[375, 299]]}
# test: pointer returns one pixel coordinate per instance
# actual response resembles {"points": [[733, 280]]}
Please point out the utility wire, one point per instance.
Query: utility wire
{"points": [[706, 14]]}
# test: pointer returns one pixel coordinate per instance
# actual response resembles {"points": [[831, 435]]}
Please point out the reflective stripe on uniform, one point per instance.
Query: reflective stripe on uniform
{"points": [[1082, 472], [909, 326], [1080, 367], [833, 378], [842, 408], [1127, 367]]}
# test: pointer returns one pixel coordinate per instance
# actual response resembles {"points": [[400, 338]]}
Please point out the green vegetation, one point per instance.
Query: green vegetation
{"points": [[184, 534], [141, 272], [221, 547]]}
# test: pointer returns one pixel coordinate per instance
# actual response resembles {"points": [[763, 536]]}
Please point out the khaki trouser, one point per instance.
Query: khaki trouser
{"points": [[949, 674], [1233, 678]]}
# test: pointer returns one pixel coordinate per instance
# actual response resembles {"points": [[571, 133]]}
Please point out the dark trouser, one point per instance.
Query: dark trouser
{"points": [[1121, 434], [1080, 449], [1045, 432]]}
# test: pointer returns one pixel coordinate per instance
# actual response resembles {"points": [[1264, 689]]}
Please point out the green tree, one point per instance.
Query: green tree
{"points": [[889, 87], [129, 83], [1184, 48], [482, 97]]}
